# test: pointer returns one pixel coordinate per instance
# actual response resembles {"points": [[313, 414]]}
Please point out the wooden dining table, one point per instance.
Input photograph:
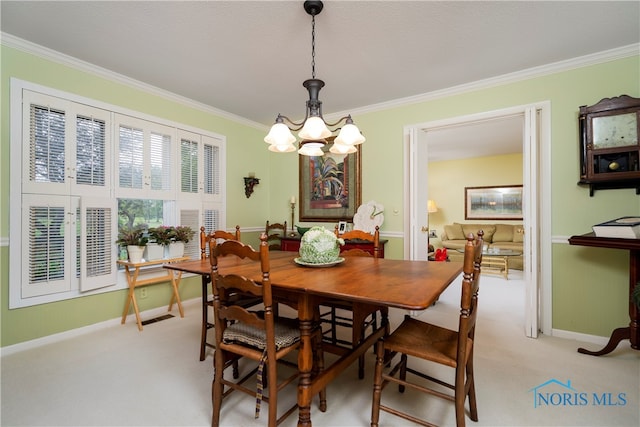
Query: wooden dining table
{"points": [[402, 284]]}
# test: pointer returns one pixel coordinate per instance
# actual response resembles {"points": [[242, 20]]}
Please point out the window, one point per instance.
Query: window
{"points": [[73, 196]]}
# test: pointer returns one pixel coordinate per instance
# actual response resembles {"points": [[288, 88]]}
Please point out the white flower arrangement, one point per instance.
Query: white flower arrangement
{"points": [[320, 246]]}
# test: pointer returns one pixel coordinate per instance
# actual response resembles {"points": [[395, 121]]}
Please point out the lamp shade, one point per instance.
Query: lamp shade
{"points": [[337, 148], [350, 135], [431, 206], [314, 128], [311, 150], [280, 134]]}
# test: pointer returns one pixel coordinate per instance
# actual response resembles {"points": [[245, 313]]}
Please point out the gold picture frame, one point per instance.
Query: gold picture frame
{"points": [[329, 186], [494, 202]]}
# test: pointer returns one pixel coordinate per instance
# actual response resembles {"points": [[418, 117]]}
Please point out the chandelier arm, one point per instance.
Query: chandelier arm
{"points": [[345, 118], [297, 126]]}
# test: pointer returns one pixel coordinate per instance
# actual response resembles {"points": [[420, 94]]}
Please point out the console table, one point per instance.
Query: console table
{"points": [[292, 244], [632, 332], [132, 272]]}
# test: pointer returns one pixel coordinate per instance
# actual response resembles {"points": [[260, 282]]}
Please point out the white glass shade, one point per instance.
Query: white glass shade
{"points": [[282, 148], [280, 135], [337, 148], [311, 149], [314, 128], [350, 135]]}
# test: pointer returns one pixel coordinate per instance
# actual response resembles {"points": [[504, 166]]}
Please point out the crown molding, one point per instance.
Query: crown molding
{"points": [[63, 59], [544, 70], [529, 73]]}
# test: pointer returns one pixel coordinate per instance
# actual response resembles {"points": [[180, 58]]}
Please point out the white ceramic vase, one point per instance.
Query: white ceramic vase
{"points": [[154, 252], [176, 250], [135, 253]]}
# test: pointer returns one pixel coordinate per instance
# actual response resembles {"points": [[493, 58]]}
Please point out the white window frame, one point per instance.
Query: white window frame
{"points": [[76, 197]]}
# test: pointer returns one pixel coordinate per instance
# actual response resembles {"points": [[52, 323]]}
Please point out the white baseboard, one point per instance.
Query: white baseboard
{"points": [[38, 342], [576, 336]]}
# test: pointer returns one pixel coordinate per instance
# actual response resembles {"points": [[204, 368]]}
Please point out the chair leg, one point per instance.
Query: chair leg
{"points": [[473, 409], [377, 384], [403, 371], [217, 387]]}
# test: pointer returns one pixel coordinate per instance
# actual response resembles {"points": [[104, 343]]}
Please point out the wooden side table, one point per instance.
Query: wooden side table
{"points": [[132, 271], [631, 332]]}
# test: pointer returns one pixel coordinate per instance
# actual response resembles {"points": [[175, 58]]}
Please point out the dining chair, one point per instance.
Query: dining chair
{"points": [[274, 233], [258, 336], [359, 317], [218, 236], [432, 343]]}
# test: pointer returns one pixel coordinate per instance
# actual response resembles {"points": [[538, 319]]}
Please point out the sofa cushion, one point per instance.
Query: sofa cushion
{"points": [[518, 234], [488, 229], [454, 231], [504, 233]]}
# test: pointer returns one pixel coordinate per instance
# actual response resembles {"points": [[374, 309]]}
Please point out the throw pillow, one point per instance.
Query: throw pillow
{"points": [[504, 233], [488, 229], [454, 231], [518, 234]]}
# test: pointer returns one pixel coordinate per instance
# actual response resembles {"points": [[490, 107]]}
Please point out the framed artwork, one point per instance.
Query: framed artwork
{"points": [[342, 227], [329, 186], [493, 202]]}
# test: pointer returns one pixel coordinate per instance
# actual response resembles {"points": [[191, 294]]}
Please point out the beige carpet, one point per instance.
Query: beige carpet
{"points": [[118, 376]]}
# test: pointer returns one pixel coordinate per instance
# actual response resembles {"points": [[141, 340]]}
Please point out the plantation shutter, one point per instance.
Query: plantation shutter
{"points": [[191, 218], [98, 222], [130, 157], [45, 155], [160, 158], [188, 166], [92, 158], [46, 248]]}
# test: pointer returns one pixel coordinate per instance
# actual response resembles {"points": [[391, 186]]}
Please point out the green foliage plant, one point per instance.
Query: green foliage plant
{"points": [[132, 236], [184, 233]]}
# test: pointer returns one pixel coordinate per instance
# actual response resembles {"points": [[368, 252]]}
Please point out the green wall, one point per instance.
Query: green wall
{"points": [[589, 285]]}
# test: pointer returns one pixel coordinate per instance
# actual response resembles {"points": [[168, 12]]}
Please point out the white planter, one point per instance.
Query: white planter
{"points": [[135, 253], [154, 252], [176, 250]]}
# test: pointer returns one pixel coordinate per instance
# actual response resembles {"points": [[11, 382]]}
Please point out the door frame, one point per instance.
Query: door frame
{"points": [[537, 201]]}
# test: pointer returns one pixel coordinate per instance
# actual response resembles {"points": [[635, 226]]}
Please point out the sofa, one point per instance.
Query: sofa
{"points": [[501, 236]]}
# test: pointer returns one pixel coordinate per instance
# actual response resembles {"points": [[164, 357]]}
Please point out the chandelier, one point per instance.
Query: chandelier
{"points": [[314, 130]]}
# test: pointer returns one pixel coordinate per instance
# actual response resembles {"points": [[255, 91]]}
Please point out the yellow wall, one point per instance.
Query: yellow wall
{"points": [[589, 285], [447, 183]]}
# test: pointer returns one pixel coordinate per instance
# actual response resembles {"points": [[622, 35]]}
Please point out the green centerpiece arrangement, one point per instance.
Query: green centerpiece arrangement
{"points": [[319, 246]]}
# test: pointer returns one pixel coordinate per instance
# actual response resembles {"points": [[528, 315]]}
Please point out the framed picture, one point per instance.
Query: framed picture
{"points": [[342, 227], [329, 186], [493, 202]]}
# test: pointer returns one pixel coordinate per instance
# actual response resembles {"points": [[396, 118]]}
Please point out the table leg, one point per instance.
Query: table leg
{"points": [[175, 283], [205, 317], [305, 360], [131, 297], [632, 332]]}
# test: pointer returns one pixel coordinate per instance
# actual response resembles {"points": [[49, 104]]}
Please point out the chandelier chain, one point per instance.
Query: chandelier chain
{"points": [[313, 47]]}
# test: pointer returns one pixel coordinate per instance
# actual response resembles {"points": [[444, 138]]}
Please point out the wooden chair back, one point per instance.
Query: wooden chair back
{"points": [[215, 235], [469, 295], [361, 235], [225, 285], [274, 233]]}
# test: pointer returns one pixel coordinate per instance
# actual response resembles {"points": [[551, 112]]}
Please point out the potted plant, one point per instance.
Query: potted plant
{"points": [[159, 237], [181, 235], [134, 239]]}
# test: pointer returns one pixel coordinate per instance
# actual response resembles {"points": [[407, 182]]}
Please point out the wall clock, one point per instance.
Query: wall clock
{"points": [[368, 216], [609, 144]]}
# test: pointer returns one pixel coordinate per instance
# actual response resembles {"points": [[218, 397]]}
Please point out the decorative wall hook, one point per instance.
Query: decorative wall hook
{"points": [[249, 182]]}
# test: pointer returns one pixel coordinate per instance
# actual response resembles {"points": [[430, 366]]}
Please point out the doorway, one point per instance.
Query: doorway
{"points": [[536, 200]]}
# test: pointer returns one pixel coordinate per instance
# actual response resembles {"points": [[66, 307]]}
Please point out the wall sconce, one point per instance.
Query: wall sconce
{"points": [[249, 182]]}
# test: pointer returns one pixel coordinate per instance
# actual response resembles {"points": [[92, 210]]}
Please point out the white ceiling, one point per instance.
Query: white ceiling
{"points": [[249, 58]]}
